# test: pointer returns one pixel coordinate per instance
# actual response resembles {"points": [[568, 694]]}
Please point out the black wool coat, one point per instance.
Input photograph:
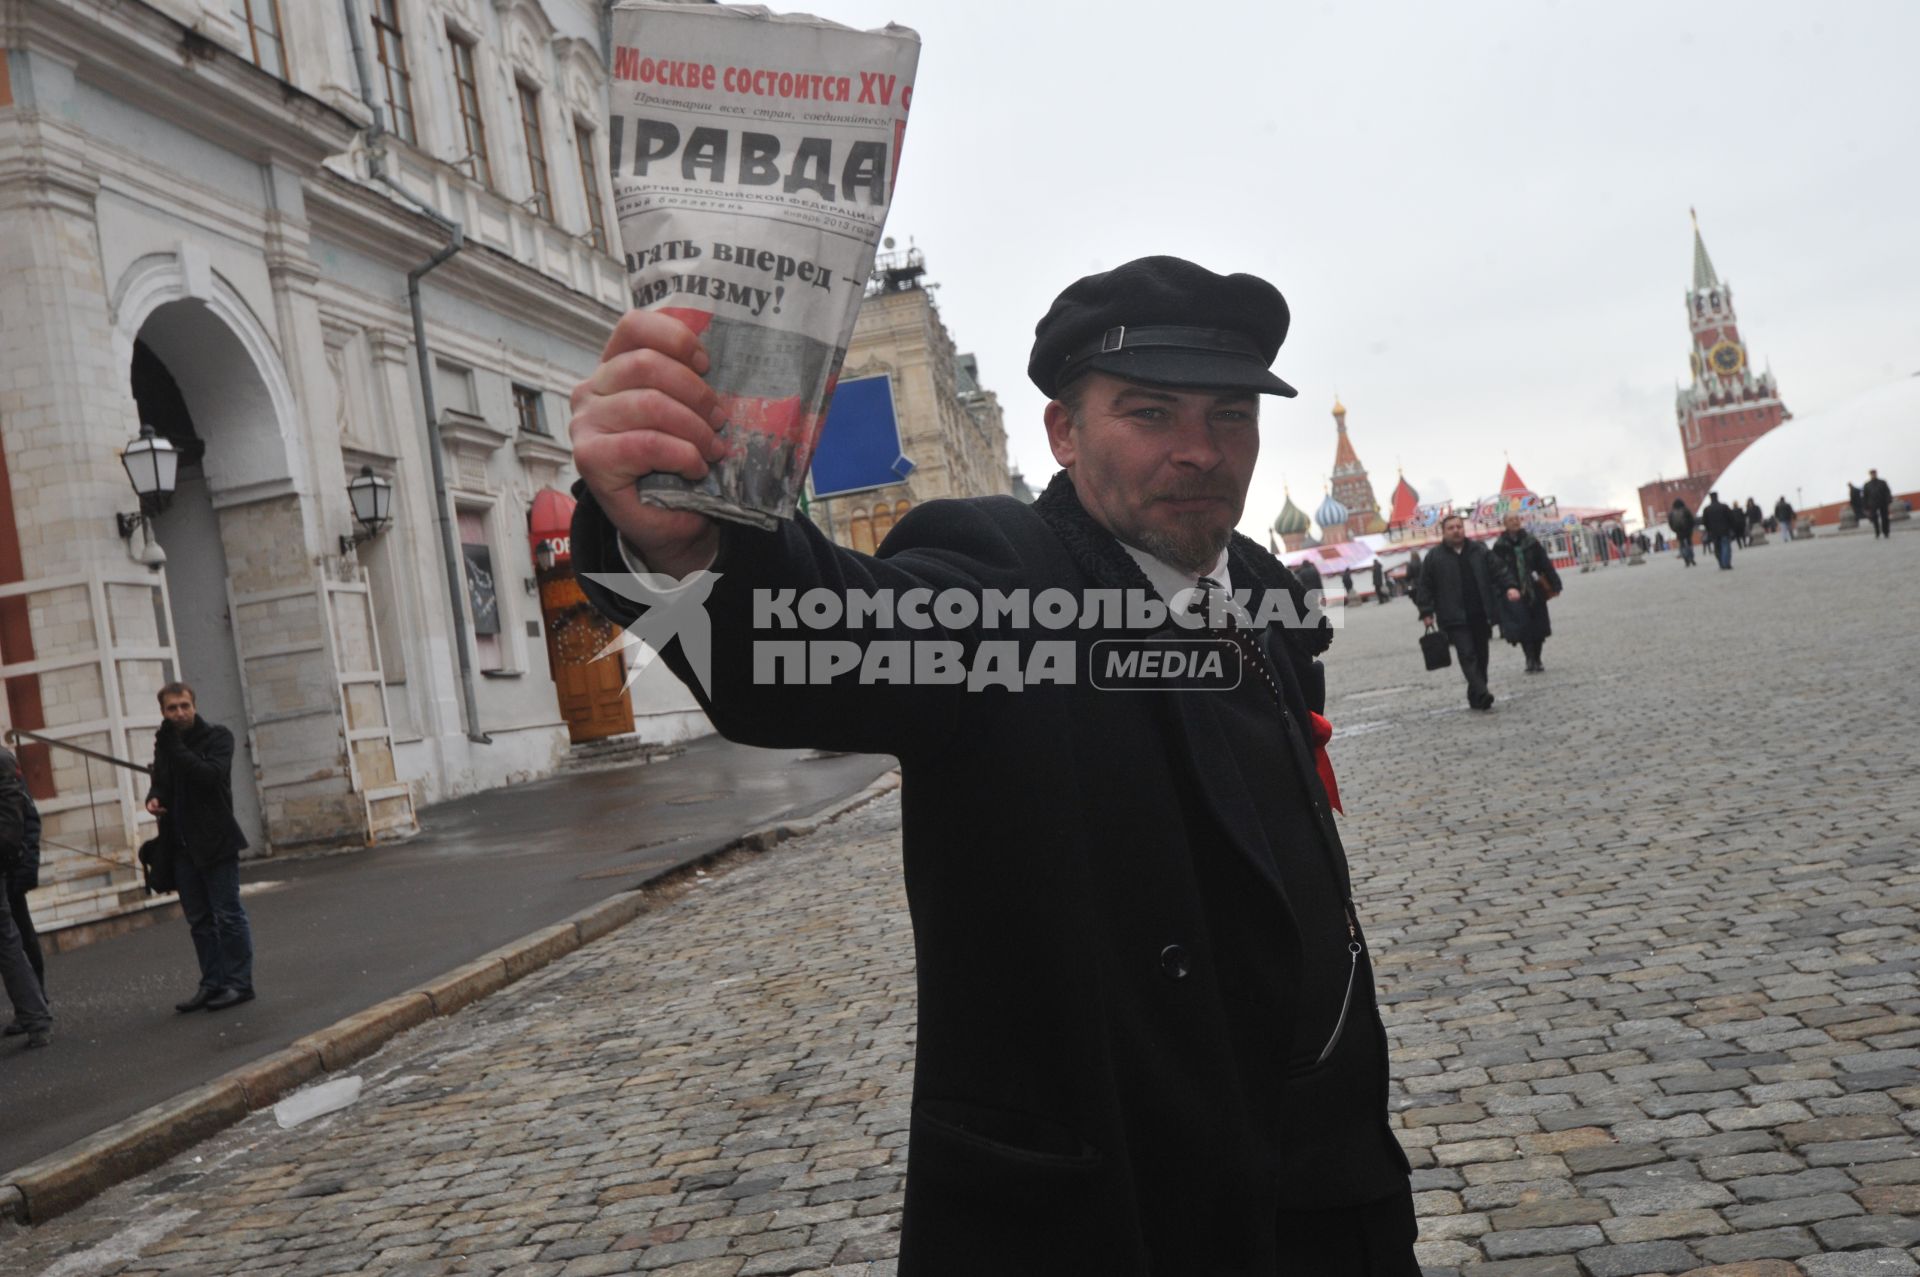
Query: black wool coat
{"points": [[1086, 1098], [1527, 566], [19, 853], [1718, 519], [14, 835], [193, 779], [1680, 519], [1445, 578]]}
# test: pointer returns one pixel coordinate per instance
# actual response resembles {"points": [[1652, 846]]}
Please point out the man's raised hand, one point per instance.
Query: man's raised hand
{"points": [[645, 410]]}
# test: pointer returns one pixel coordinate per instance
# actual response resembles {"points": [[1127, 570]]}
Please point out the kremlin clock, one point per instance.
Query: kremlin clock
{"points": [[1727, 357]]}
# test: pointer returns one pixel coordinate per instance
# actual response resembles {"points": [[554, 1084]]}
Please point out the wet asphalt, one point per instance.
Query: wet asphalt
{"points": [[334, 934]]}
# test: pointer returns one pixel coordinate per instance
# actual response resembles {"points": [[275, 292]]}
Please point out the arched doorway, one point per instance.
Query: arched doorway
{"points": [[195, 384]]}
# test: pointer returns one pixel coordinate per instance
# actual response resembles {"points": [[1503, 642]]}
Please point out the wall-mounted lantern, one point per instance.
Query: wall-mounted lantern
{"points": [[372, 499], [152, 464]]}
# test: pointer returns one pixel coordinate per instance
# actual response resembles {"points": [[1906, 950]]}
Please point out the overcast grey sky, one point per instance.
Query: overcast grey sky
{"points": [[1477, 210]]}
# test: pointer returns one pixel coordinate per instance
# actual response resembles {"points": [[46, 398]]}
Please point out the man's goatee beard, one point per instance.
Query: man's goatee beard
{"points": [[1193, 552]]}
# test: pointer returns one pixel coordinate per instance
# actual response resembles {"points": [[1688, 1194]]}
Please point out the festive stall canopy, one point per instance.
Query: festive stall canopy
{"points": [[1511, 486], [1332, 560], [1405, 502]]}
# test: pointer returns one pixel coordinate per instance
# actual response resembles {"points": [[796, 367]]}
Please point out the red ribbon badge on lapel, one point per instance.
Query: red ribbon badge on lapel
{"points": [[1322, 733]]}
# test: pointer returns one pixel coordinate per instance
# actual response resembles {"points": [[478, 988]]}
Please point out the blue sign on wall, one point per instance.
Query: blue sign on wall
{"points": [[859, 447]]}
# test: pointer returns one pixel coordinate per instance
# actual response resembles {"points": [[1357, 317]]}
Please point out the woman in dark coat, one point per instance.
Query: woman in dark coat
{"points": [[1680, 519], [1526, 622]]}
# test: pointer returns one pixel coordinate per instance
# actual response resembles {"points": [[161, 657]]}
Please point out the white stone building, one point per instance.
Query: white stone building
{"points": [[204, 227]]}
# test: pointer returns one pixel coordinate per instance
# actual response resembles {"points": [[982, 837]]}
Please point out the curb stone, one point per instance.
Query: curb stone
{"points": [[87, 1167]]}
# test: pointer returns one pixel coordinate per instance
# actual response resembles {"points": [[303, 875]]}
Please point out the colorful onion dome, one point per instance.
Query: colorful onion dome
{"points": [[1331, 514], [1291, 519]]}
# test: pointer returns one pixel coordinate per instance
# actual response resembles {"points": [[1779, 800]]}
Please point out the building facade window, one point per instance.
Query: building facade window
{"points": [[467, 89], [483, 594], [590, 184], [528, 410], [392, 52], [453, 387], [542, 199], [261, 21]]}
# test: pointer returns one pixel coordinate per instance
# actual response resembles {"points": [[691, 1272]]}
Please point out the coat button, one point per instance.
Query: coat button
{"points": [[1175, 962]]}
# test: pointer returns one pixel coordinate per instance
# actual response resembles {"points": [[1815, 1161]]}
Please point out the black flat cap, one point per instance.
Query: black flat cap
{"points": [[1167, 322]]}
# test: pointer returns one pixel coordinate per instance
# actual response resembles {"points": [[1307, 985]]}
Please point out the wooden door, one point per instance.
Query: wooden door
{"points": [[592, 693]]}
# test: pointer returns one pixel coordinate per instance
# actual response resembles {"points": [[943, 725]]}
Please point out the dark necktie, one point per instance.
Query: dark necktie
{"points": [[1204, 591], [1254, 661]]}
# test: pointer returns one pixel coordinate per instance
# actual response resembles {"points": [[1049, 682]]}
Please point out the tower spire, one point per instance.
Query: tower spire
{"points": [[1728, 405], [1350, 486], [1703, 275]]}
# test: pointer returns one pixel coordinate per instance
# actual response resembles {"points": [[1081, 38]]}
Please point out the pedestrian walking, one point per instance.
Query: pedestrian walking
{"points": [[1346, 585], [1857, 500], [1525, 618], [1783, 514], [1659, 543], [1737, 520], [1459, 591], [25, 987], [1168, 1060], [1717, 519], [1680, 519], [1308, 575], [192, 795], [1877, 496], [1379, 582], [1755, 518], [25, 878]]}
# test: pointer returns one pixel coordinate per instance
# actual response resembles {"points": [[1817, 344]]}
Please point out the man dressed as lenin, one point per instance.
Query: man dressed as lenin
{"points": [[1148, 1041]]}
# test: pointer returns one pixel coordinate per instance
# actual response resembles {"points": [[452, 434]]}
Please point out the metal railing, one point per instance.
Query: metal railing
{"points": [[14, 737], [15, 733]]}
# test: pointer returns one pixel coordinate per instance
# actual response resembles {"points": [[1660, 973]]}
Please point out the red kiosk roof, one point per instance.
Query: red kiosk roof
{"points": [[551, 520], [1511, 486]]}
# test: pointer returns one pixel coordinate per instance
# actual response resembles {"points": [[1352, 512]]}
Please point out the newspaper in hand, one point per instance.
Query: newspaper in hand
{"points": [[754, 156]]}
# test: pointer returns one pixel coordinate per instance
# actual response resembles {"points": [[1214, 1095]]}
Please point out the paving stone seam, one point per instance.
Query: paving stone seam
{"points": [[57, 1183]]}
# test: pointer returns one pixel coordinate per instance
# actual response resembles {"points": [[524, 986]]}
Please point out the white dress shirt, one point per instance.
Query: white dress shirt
{"points": [[1169, 581]]}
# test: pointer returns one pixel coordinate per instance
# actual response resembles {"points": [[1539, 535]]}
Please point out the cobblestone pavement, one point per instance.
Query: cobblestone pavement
{"points": [[1646, 936]]}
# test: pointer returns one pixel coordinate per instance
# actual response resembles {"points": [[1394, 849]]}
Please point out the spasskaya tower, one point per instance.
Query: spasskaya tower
{"points": [[1727, 406]]}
